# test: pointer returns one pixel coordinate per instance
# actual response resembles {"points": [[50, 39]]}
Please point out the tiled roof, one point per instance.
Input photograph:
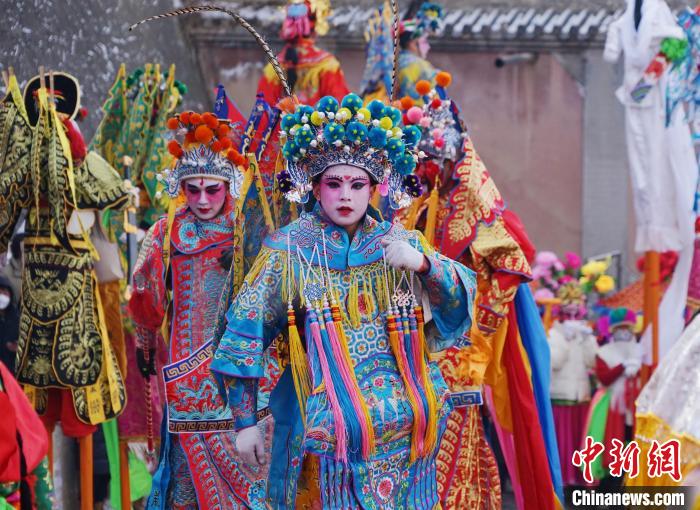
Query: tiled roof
{"points": [[551, 24]]}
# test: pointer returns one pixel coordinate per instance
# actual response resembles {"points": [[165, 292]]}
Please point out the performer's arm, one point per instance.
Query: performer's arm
{"points": [[450, 287], [499, 256], [606, 374], [255, 318], [148, 301]]}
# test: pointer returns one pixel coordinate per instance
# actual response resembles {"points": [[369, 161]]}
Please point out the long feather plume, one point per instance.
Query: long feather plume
{"points": [[395, 68], [241, 21]]}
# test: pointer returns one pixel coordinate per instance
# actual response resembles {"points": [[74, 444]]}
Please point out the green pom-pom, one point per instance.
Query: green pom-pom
{"points": [[290, 149], [395, 147], [394, 114], [333, 132], [411, 136], [376, 108], [327, 104], [356, 131], [352, 102], [303, 111], [377, 137], [304, 136], [288, 122], [674, 49], [405, 164]]}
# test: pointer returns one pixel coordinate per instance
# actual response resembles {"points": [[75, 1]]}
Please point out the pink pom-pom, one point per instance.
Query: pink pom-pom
{"points": [[414, 114], [384, 188], [436, 133], [424, 122]]}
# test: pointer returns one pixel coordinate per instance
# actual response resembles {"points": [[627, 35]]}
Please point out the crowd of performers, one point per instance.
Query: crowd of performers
{"points": [[324, 305]]}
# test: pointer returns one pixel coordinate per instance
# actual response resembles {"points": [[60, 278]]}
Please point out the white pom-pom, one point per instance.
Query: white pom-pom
{"points": [[159, 177], [304, 119], [283, 134], [357, 142], [319, 137], [346, 148], [360, 116], [338, 143], [331, 115], [159, 194], [375, 122], [421, 154], [306, 127], [314, 143], [302, 151], [322, 115]]}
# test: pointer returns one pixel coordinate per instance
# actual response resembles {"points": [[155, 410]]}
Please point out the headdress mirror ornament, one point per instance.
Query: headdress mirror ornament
{"points": [[204, 150], [331, 133]]}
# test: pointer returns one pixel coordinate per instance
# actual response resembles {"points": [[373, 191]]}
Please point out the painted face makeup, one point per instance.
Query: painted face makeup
{"points": [[205, 197], [344, 192]]}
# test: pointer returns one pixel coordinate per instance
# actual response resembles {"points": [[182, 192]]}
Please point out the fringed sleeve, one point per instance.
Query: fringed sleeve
{"points": [[254, 319], [148, 302], [450, 288]]}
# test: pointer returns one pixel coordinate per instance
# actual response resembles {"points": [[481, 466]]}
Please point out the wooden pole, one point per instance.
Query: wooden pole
{"points": [[652, 291], [86, 469], [124, 475], [49, 432]]}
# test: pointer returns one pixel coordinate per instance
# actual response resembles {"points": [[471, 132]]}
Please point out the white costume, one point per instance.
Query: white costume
{"points": [[663, 167], [572, 349]]}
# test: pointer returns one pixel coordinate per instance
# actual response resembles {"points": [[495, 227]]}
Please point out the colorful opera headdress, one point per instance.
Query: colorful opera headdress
{"points": [[427, 21], [202, 148], [305, 17], [438, 119], [372, 138]]}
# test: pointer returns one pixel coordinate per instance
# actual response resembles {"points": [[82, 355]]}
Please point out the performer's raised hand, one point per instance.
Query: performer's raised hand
{"points": [[401, 255], [251, 447]]}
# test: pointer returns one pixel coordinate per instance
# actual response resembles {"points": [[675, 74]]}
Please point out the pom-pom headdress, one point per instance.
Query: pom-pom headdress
{"points": [[437, 120], [371, 138], [428, 20], [204, 149]]}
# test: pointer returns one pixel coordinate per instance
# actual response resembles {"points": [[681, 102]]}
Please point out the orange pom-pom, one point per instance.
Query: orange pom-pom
{"points": [[216, 146], [174, 148], [240, 160], [423, 87], [173, 123], [203, 134], [226, 143], [232, 155], [443, 78], [185, 117], [189, 137], [210, 120], [195, 118], [406, 102], [222, 130]]}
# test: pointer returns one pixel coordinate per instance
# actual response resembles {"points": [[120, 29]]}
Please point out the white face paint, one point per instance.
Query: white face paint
{"points": [[205, 197], [4, 301]]}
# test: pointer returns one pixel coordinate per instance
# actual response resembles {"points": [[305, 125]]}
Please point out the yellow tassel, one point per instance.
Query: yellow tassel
{"points": [[367, 297], [431, 220], [353, 306], [427, 382], [297, 357]]}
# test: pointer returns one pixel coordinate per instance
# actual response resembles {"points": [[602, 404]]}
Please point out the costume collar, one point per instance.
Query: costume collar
{"points": [[191, 234], [308, 231]]}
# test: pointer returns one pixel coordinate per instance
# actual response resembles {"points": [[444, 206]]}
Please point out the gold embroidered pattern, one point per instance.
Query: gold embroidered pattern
{"points": [[475, 199]]}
